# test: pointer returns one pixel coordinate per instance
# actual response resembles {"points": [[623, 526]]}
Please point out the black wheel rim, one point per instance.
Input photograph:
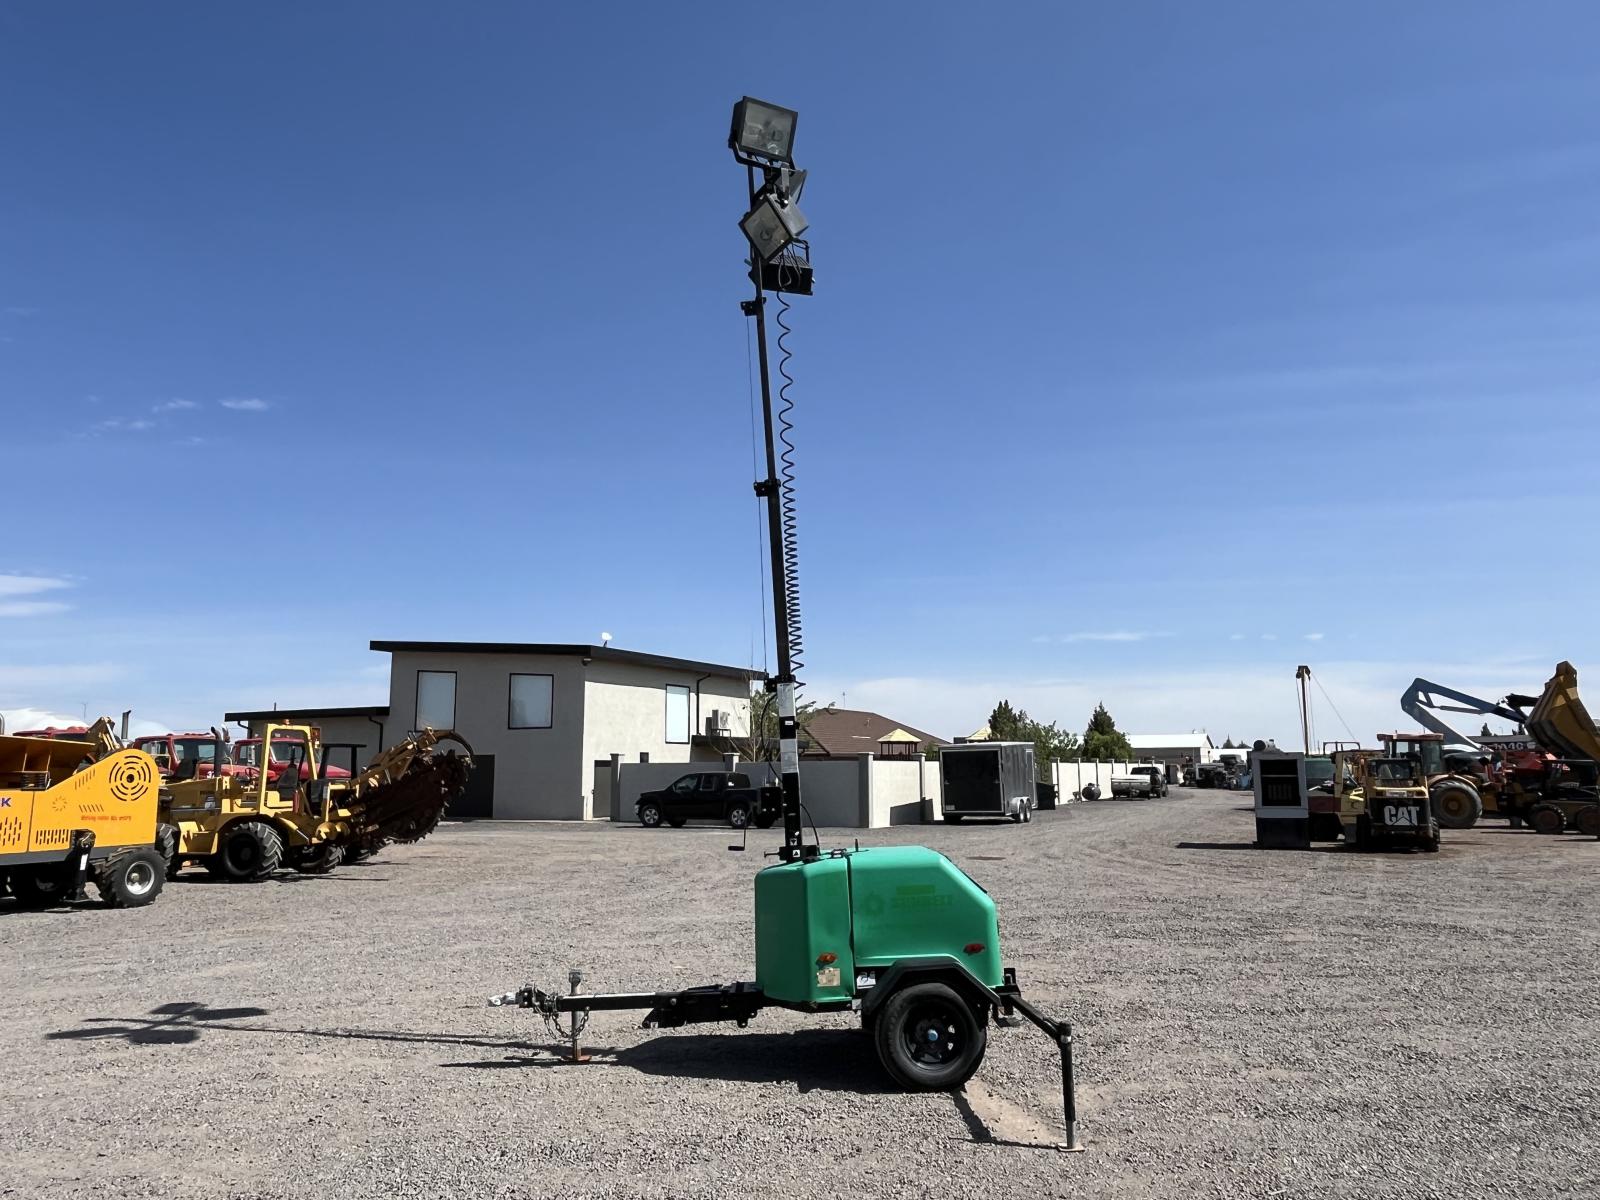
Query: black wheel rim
{"points": [[243, 853], [935, 1035]]}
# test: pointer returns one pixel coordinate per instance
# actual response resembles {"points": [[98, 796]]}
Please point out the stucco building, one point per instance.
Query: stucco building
{"points": [[539, 716]]}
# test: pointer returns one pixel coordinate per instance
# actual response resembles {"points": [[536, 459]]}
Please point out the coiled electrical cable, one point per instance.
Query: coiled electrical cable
{"points": [[786, 474]]}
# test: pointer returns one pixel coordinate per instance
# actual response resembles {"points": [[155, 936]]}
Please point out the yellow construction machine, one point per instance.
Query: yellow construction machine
{"points": [[246, 827], [1383, 801], [72, 812]]}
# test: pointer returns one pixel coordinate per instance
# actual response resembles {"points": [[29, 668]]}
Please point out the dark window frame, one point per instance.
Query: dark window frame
{"points": [[666, 714], [455, 699], [510, 684]]}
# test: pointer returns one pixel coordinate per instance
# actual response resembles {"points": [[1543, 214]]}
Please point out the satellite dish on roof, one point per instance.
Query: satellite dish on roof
{"points": [[605, 639]]}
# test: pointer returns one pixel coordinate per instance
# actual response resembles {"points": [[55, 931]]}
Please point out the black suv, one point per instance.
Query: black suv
{"points": [[712, 796]]}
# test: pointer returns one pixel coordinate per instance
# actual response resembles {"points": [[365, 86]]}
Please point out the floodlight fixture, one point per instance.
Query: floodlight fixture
{"points": [[772, 225], [763, 132]]}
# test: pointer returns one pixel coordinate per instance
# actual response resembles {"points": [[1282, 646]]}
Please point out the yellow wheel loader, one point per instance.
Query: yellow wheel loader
{"points": [[245, 827], [65, 822]]}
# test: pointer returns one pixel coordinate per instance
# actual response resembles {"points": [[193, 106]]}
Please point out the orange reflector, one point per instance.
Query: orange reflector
{"points": [[973, 948], [827, 958]]}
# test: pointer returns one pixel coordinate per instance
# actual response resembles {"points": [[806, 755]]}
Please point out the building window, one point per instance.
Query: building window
{"points": [[436, 699], [531, 701], [677, 713]]}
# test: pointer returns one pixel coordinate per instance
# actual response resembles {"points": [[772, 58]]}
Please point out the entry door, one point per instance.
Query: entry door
{"points": [[476, 802]]}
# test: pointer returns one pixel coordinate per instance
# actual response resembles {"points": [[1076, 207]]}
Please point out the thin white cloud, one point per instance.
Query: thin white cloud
{"points": [[30, 608], [1117, 635], [1236, 637], [245, 404], [173, 406], [1269, 637], [120, 425], [1313, 637], [31, 585]]}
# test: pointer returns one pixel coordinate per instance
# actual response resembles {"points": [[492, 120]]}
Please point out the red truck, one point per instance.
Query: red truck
{"points": [[175, 752], [285, 750]]}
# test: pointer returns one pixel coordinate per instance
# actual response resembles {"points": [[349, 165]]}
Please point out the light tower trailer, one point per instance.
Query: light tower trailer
{"points": [[898, 933]]}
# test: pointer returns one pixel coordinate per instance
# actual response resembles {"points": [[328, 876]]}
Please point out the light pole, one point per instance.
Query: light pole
{"points": [[762, 138]]}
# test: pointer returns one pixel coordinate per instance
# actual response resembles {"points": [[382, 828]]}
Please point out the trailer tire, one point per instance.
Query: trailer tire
{"points": [[1090, 792], [1547, 818], [929, 1038], [250, 850], [1587, 820], [131, 878], [1456, 805], [650, 815], [765, 822], [40, 887], [953, 818]]}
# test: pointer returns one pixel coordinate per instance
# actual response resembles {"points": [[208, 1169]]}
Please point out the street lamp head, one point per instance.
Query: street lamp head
{"points": [[762, 131], [772, 225]]}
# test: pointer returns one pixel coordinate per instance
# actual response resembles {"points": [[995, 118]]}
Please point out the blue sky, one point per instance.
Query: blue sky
{"points": [[1157, 348]]}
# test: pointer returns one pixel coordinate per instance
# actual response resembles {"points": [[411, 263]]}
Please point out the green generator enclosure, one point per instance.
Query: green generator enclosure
{"points": [[819, 922]]}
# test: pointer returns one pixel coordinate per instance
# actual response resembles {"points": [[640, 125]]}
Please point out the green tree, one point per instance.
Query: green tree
{"points": [[1102, 740], [1050, 743]]}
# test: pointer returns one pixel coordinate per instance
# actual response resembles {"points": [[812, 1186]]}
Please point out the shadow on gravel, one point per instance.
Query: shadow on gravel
{"points": [[183, 1022], [813, 1061], [337, 876], [982, 1134]]}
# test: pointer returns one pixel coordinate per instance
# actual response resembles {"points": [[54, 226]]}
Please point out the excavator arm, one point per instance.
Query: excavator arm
{"points": [[1424, 699]]}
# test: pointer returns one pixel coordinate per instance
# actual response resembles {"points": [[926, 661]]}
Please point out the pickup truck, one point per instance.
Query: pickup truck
{"points": [[1145, 781], [711, 795]]}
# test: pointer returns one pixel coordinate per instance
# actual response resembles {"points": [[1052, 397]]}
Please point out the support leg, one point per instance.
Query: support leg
{"points": [[1069, 1097]]}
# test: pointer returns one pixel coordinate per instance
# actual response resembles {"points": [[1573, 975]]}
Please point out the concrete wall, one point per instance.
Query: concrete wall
{"points": [[1071, 777], [333, 729], [626, 714], [896, 792], [538, 772]]}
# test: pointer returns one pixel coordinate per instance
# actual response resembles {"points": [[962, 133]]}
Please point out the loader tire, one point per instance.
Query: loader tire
{"points": [[318, 860], [40, 887], [928, 1037], [355, 854], [167, 847], [131, 878], [250, 850], [1456, 805], [1587, 820], [1547, 818]]}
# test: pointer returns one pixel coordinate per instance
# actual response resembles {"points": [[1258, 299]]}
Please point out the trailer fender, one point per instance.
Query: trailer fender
{"points": [[926, 970]]}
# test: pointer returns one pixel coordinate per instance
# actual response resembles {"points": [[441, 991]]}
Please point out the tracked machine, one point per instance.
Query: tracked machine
{"points": [[898, 935]]}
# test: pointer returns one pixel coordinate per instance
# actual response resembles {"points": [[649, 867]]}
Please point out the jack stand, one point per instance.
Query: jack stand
{"points": [[1068, 1090], [82, 843], [574, 978]]}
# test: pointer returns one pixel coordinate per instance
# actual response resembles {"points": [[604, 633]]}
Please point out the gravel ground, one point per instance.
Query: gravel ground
{"points": [[1250, 1024]]}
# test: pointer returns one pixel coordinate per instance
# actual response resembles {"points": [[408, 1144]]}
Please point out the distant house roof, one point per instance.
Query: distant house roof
{"points": [[285, 714], [1168, 741], [847, 732], [566, 650]]}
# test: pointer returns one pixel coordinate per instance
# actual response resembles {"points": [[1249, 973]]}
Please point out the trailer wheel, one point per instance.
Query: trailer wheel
{"points": [[1587, 820], [131, 878], [929, 1038], [953, 818], [650, 814], [765, 822], [250, 850], [1027, 813], [1546, 818], [39, 887], [1456, 805], [1090, 792]]}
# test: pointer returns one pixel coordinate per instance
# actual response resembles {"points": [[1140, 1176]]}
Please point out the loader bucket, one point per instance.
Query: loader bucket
{"points": [[1559, 720]]}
